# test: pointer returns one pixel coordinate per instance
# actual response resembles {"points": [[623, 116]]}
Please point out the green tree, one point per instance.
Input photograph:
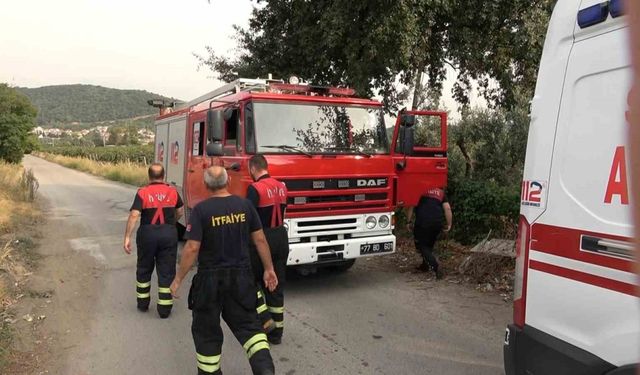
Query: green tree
{"points": [[17, 118], [355, 43]]}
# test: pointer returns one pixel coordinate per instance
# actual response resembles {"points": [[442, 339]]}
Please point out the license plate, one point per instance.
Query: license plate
{"points": [[373, 248]]}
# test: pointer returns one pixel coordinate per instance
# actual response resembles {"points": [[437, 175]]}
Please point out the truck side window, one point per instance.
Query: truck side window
{"points": [[231, 130], [198, 139], [249, 129]]}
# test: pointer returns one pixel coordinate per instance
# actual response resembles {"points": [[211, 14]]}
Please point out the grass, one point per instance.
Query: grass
{"points": [[18, 214], [127, 172]]}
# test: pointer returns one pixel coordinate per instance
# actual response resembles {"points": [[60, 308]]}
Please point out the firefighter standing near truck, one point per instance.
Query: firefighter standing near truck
{"points": [[432, 210], [159, 206], [269, 197], [218, 234]]}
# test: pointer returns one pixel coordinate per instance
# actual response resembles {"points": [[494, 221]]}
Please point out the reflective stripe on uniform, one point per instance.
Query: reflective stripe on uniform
{"points": [[260, 295], [143, 295], [143, 285], [257, 347], [164, 290], [279, 324], [255, 339], [209, 368], [165, 302], [276, 310], [261, 309], [210, 359]]}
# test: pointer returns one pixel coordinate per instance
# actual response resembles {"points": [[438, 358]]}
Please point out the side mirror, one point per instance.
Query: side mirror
{"points": [[215, 126], [228, 113], [215, 149], [407, 140], [408, 121]]}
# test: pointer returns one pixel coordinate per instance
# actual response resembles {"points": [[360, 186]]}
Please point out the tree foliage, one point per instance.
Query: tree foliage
{"points": [[17, 118], [88, 103], [372, 45], [486, 158]]}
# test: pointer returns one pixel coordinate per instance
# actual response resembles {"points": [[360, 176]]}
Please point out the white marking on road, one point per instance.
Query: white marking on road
{"points": [[88, 245]]}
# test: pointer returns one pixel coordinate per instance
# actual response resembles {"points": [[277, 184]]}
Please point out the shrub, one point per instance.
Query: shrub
{"points": [[481, 207]]}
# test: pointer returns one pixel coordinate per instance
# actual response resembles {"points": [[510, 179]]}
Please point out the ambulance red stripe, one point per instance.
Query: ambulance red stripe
{"points": [[565, 242], [583, 277]]}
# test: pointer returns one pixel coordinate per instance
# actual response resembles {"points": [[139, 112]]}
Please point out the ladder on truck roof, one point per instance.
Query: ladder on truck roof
{"points": [[241, 84]]}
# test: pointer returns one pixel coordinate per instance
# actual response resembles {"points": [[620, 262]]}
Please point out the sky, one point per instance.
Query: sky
{"points": [[124, 44]]}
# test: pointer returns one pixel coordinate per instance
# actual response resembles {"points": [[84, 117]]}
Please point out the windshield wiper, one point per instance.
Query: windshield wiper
{"points": [[357, 150], [289, 148]]}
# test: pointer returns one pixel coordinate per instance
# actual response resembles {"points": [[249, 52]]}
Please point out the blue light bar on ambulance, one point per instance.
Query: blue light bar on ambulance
{"points": [[616, 8], [593, 15]]}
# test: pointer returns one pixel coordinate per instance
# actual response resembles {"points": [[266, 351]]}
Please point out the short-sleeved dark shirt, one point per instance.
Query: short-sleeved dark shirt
{"points": [[158, 203], [223, 225], [429, 209]]}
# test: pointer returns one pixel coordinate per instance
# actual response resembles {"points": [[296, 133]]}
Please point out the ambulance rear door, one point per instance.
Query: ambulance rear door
{"points": [[580, 286]]}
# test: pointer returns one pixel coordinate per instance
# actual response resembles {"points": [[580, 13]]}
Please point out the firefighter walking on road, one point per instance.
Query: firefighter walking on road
{"points": [[158, 205], [269, 197], [432, 211], [218, 235]]}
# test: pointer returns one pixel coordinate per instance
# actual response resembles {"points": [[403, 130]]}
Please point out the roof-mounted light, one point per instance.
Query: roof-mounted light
{"points": [[294, 80], [310, 90], [593, 15]]}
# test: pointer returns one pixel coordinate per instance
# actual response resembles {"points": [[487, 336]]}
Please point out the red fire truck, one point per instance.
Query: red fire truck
{"points": [[345, 170]]}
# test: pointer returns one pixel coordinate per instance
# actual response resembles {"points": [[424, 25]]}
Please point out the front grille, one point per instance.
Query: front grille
{"points": [[328, 228], [326, 222], [337, 198], [336, 183]]}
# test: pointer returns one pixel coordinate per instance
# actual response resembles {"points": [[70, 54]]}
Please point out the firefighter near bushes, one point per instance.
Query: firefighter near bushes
{"points": [[269, 197], [432, 210], [159, 206], [219, 234]]}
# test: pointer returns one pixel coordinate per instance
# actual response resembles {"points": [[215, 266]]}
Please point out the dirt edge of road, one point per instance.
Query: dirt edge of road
{"points": [[52, 308]]}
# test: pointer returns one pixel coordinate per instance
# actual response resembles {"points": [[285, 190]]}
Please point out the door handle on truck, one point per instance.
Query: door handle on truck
{"points": [[607, 246]]}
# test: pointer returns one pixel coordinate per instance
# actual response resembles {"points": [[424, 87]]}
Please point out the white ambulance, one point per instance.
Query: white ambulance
{"points": [[576, 307]]}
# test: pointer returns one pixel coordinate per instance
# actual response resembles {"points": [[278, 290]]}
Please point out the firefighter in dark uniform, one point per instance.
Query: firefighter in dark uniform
{"points": [[159, 206], [219, 232], [269, 197], [432, 210]]}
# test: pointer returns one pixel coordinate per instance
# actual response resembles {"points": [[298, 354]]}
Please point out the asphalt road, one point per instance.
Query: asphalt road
{"points": [[365, 321]]}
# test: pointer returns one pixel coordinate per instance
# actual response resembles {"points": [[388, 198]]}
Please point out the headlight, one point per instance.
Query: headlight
{"points": [[384, 221], [371, 222]]}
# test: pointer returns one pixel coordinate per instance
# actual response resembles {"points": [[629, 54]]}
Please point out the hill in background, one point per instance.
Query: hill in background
{"points": [[64, 104]]}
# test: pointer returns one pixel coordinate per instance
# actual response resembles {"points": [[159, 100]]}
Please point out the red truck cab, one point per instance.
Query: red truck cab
{"points": [[346, 171]]}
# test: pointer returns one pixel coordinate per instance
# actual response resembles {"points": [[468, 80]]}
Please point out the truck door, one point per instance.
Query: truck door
{"points": [[419, 154], [161, 142], [233, 147], [175, 152], [194, 189]]}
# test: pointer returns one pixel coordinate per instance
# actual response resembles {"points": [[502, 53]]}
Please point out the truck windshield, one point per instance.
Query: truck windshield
{"points": [[319, 128]]}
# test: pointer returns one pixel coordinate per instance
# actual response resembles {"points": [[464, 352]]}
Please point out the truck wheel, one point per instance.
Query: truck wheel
{"points": [[344, 266]]}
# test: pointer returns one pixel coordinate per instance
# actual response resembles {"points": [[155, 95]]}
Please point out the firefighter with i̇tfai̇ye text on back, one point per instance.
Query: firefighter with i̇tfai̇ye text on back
{"points": [[219, 232], [269, 197], [158, 205]]}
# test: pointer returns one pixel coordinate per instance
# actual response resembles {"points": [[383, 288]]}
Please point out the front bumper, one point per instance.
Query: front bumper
{"points": [[335, 251], [529, 351]]}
